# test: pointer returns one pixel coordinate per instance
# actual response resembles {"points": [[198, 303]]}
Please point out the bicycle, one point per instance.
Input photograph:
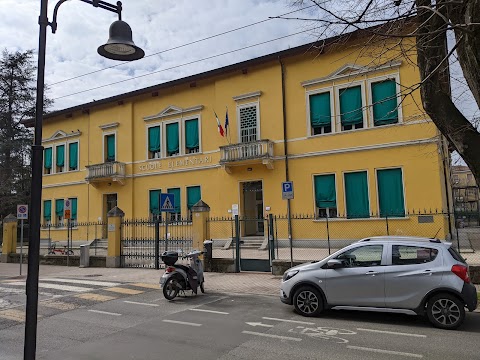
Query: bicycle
{"points": [[52, 250]]}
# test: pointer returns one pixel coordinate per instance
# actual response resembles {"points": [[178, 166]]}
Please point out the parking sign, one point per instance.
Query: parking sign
{"points": [[67, 209], [287, 190], [22, 212]]}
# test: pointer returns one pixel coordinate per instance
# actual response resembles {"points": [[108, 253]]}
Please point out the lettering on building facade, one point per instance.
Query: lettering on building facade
{"points": [[172, 164]]}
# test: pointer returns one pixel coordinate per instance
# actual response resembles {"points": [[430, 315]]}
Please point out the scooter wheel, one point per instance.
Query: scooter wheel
{"points": [[170, 289], [202, 289]]}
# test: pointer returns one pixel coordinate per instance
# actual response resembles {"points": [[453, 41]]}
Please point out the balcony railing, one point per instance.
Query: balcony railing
{"points": [[109, 171], [251, 152]]}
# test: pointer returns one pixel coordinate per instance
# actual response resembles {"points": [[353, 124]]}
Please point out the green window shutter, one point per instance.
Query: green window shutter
{"points": [[110, 147], [155, 202], [172, 138], [325, 196], [59, 207], [351, 105], [154, 138], [193, 195], [47, 210], [73, 156], [191, 134], [47, 161], [320, 112], [384, 99], [176, 195], [390, 192], [74, 208], [60, 154], [356, 193]]}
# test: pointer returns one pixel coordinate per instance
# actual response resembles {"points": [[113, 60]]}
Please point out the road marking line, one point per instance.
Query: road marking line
{"points": [[95, 297], [22, 291], [181, 322], [85, 282], [56, 286], [258, 324], [105, 312], [125, 291], [139, 303], [210, 311], [271, 336], [391, 332], [289, 321], [381, 351], [148, 286], [59, 305]]}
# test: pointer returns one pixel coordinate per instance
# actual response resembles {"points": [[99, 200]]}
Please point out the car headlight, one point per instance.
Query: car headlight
{"points": [[289, 274]]}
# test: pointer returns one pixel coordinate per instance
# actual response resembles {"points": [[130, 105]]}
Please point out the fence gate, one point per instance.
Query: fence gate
{"points": [[143, 241], [254, 239]]}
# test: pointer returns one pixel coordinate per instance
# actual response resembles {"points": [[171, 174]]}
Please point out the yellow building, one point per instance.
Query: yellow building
{"points": [[356, 146]]}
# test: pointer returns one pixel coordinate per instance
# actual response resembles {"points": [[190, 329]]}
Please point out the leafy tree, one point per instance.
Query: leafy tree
{"points": [[17, 103], [393, 25]]}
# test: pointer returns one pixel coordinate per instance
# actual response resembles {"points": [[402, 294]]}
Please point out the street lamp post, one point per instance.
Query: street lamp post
{"points": [[119, 46]]}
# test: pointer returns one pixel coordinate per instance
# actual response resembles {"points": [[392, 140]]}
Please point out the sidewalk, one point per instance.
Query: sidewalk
{"points": [[241, 283]]}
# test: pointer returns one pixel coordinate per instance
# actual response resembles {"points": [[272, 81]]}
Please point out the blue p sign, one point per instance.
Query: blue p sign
{"points": [[287, 190]]}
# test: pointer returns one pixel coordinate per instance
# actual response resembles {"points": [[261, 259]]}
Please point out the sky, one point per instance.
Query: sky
{"points": [[158, 27], [170, 32]]}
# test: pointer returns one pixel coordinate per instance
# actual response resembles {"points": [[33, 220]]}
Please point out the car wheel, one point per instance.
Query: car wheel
{"points": [[308, 301], [170, 289], [445, 311]]}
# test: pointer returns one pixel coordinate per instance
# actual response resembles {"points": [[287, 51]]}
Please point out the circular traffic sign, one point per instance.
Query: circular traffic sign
{"points": [[22, 209]]}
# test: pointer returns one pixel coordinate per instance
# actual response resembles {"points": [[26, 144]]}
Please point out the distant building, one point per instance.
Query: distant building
{"points": [[466, 196]]}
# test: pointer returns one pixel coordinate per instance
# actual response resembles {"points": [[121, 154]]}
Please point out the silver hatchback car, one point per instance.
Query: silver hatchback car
{"points": [[411, 275]]}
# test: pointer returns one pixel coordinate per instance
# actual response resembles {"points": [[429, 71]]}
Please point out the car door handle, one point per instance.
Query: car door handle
{"points": [[373, 273], [427, 273]]}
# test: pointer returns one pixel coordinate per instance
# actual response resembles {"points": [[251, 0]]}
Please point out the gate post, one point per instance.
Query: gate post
{"points": [[9, 237], [200, 228], [115, 217], [237, 244], [271, 240]]}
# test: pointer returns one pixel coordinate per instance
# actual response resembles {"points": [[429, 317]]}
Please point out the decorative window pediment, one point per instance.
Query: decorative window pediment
{"points": [[61, 135], [349, 70], [173, 110]]}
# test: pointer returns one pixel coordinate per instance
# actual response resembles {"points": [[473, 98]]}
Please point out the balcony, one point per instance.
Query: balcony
{"points": [[255, 152], [104, 173]]}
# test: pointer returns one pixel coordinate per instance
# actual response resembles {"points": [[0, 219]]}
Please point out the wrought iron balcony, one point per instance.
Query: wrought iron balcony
{"points": [[260, 151], [107, 172]]}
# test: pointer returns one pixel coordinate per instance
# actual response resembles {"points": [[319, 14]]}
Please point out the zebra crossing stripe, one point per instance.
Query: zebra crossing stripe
{"points": [[56, 286], [81, 282]]}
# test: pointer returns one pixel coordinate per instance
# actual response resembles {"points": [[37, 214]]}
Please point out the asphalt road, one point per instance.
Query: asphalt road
{"points": [[92, 319]]}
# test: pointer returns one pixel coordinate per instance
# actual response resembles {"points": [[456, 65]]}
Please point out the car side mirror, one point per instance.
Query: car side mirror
{"points": [[334, 264]]}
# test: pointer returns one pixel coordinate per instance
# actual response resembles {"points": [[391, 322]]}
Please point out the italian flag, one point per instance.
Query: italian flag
{"points": [[220, 128]]}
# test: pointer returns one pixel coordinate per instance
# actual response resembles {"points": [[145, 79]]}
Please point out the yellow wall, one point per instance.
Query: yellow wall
{"points": [[411, 145]]}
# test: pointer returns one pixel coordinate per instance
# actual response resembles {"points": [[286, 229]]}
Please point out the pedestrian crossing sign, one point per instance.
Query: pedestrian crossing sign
{"points": [[167, 202]]}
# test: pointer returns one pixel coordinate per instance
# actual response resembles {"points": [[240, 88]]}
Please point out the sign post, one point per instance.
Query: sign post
{"points": [[67, 214], [167, 205], [22, 214]]}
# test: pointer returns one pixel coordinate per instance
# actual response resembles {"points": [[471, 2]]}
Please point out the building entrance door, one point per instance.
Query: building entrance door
{"points": [[253, 209]]}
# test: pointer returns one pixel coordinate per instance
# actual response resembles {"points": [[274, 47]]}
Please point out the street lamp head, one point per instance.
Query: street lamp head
{"points": [[120, 45]]}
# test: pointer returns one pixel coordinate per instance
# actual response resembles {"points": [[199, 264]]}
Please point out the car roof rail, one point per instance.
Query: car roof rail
{"points": [[401, 238]]}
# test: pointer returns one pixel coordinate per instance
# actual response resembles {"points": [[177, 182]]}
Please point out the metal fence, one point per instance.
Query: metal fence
{"points": [[143, 241], [307, 237]]}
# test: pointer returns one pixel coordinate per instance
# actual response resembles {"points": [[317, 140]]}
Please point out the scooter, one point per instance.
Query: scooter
{"points": [[181, 277]]}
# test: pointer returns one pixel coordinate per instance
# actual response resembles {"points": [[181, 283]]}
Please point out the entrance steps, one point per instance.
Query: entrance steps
{"points": [[251, 242], [99, 243]]}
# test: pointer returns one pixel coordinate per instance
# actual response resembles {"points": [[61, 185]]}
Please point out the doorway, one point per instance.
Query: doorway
{"points": [[252, 196]]}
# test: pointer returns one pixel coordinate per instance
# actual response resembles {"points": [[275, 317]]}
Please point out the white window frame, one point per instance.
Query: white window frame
{"points": [[370, 81], [74, 223], [147, 152], [67, 155], [338, 116], [246, 105], [62, 220], [54, 156], [403, 187], [174, 216], [199, 123], [48, 223], [104, 144], [53, 161], [189, 212], [332, 109], [345, 192], [164, 137], [315, 208]]}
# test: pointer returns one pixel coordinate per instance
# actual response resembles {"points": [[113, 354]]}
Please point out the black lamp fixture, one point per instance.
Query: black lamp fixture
{"points": [[119, 46]]}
